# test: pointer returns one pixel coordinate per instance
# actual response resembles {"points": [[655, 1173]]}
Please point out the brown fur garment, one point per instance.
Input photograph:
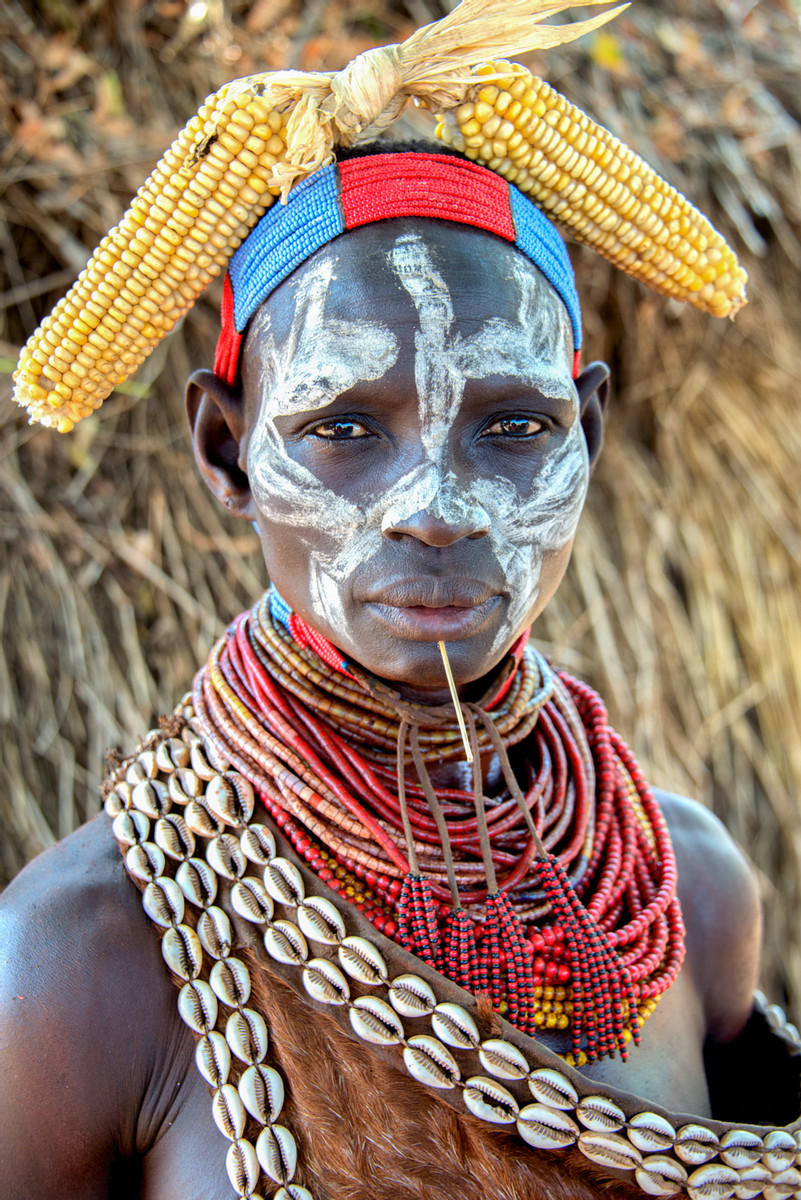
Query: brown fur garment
{"points": [[366, 1131]]}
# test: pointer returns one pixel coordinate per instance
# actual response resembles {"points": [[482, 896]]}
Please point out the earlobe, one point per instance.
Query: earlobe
{"points": [[215, 413], [593, 389]]}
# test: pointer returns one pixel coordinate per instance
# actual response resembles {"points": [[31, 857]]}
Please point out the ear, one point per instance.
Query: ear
{"points": [[217, 420], [593, 389]]}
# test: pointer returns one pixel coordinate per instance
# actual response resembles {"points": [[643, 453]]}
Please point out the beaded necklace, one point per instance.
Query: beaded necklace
{"points": [[555, 898]]}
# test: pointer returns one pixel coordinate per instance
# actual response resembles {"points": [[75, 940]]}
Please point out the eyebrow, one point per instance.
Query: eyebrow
{"points": [[556, 387]]}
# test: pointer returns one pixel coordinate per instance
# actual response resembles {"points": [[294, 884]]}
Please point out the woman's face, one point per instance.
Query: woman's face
{"points": [[413, 446]]}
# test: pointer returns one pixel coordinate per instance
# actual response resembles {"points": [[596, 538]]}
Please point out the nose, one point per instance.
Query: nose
{"points": [[449, 514]]}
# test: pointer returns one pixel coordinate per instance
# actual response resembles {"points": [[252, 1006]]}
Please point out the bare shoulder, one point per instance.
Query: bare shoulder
{"points": [[85, 1003], [722, 911]]}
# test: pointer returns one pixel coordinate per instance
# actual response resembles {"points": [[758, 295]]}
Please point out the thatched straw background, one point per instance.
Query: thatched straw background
{"points": [[682, 604]]}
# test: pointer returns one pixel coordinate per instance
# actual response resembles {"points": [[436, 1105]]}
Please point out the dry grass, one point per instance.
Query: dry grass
{"points": [[682, 604]]}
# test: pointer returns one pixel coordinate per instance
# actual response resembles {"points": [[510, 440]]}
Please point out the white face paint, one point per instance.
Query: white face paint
{"points": [[322, 358]]}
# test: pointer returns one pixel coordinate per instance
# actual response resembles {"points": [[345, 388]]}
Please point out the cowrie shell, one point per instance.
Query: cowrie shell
{"points": [[714, 1181], [546, 1128], [172, 754], [174, 837], [188, 734], [411, 996], [374, 1021], [145, 861], [250, 900], [776, 1017], [200, 763], [454, 1025], [214, 931], [553, 1088], [228, 1112], [163, 901], [216, 757], [362, 961], [490, 1101], [143, 767], [230, 797], [277, 1152], [182, 952], [609, 1149], [293, 1192], [284, 882], [151, 798], [197, 881], [246, 1034], [130, 827], [651, 1133], [118, 799], [321, 920], [197, 1005], [752, 1181], [780, 1150], [324, 982], [429, 1062], [258, 844], [659, 1175], [784, 1184], [201, 821], [502, 1059], [242, 1167], [740, 1148], [184, 786], [225, 857], [284, 942], [695, 1144], [213, 1058], [262, 1092], [600, 1114], [230, 980]]}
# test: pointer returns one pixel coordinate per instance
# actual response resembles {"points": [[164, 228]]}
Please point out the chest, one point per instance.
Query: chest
{"points": [[366, 1131]]}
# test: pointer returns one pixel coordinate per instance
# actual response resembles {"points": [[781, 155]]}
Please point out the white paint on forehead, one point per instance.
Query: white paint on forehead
{"points": [[322, 357]]}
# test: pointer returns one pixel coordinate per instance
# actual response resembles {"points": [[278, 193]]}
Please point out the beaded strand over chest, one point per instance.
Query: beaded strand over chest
{"points": [[321, 745]]}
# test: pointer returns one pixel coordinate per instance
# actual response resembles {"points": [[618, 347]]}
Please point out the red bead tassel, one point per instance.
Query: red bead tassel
{"points": [[460, 956], [490, 973], [416, 916], [519, 969], [602, 988]]}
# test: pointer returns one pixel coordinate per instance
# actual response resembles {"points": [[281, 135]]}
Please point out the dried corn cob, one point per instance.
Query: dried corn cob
{"points": [[595, 186], [203, 196]]}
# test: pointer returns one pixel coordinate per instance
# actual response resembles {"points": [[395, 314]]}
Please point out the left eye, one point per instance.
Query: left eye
{"points": [[516, 427], [340, 431]]}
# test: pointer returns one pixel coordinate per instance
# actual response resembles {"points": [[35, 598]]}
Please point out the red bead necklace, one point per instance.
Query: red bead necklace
{"points": [[556, 898]]}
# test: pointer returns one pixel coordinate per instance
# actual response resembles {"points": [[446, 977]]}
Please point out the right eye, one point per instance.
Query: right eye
{"points": [[339, 430]]}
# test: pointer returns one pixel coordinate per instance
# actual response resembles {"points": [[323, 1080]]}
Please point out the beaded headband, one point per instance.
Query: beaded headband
{"points": [[378, 187], [259, 137]]}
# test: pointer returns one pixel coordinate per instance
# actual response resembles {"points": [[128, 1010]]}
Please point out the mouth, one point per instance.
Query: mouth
{"points": [[432, 610]]}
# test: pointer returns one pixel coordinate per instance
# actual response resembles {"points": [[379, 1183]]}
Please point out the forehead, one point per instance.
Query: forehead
{"points": [[486, 279]]}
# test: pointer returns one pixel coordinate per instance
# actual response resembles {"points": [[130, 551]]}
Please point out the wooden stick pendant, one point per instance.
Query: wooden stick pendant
{"points": [[454, 696]]}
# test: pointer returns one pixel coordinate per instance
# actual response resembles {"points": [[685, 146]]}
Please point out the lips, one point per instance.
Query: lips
{"points": [[429, 592], [430, 609]]}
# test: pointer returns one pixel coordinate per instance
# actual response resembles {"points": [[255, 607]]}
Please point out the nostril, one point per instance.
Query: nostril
{"points": [[434, 531]]}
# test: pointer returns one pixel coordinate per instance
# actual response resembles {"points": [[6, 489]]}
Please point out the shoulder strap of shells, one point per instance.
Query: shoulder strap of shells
{"points": [[184, 824]]}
